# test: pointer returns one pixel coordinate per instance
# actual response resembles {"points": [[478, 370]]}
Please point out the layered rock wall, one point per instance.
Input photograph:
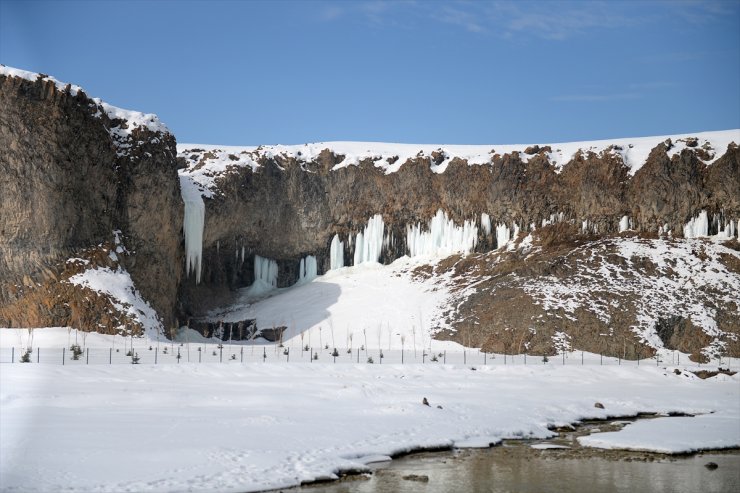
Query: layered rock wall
{"points": [[285, 207], [72, 172]]}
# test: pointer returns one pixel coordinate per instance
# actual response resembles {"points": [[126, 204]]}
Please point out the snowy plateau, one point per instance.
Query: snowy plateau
{"points": [[234, 319]]}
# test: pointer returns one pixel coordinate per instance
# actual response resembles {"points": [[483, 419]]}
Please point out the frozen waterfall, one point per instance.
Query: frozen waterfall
{"points": [[307, 269], [503, 235], [624, 223], [699, 226], [336, 253], [442, 237], [485, 223], [265, 271], [369, 243], [192, 227]]}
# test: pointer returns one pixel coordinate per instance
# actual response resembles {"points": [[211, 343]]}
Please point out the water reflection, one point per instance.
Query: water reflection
{"points": [[518, 468]]}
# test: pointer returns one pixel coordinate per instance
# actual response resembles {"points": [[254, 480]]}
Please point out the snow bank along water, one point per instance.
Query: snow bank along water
{"points": [[280, 425]]}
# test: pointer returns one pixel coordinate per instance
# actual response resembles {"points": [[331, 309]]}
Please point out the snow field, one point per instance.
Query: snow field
{"points": [[252, 427]]}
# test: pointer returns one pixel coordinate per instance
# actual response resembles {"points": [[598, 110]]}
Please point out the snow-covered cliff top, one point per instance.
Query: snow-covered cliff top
{"points": [[149, 121], [207, 162]]}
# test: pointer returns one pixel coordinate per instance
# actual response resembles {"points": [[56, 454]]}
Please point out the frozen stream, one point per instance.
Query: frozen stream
{"points": [[555, 465], [496, 470]]}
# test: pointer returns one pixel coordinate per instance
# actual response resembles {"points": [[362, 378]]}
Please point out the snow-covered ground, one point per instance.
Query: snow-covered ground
{"points": [[369, 305], [257, 426]]}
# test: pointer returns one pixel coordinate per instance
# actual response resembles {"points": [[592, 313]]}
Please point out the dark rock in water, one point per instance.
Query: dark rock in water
{"points": [[711, 466], [418, 478], [599, 405]]}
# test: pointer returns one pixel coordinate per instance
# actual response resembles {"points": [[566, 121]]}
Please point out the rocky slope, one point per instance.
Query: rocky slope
{"points": [[625, 295], [78, 176]]}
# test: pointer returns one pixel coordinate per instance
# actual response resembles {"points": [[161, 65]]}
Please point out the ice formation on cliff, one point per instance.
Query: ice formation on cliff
{"points": [[336, 253], [503, 235], [697, 227], [308, 269], [624, 223], [369, 242], [442, 237], [265, 271], [485, 223], [192, 226]]}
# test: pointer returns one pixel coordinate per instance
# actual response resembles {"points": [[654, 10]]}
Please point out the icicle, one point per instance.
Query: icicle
{"points": [[699, 226], [442, 237], [336, 253], [265, 271], [308, 269], [624, 224], [369, 244], [727, 231], [502, 235], [485, 223], [359, 245], [193, 224]]}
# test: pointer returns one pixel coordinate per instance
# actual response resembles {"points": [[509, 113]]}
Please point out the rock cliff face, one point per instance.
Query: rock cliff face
{"points": [[92, 226], [75, 171], [285, 203]]}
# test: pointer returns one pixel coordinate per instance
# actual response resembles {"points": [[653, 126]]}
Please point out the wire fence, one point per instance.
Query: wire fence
{"points": [[191, 353]]}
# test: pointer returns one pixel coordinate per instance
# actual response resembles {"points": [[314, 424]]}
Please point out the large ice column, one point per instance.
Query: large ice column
{"points": [[485, 223], [192, 227], [308, 269], [369, 243], [442, 237], [265, 271], [699, 226], [336, 253], [624, 223], [727, 230], [503, 235]]}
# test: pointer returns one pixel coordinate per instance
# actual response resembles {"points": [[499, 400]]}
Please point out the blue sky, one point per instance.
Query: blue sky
{"points": [[467, 72]]}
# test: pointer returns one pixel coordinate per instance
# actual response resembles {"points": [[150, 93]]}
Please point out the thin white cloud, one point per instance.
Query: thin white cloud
{"points": [[652, 85], [596, 98], [553, 20], [330, 13]]}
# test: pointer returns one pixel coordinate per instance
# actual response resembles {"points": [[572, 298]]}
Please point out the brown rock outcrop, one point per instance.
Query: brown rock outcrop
{"points": [[68, 180]]}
